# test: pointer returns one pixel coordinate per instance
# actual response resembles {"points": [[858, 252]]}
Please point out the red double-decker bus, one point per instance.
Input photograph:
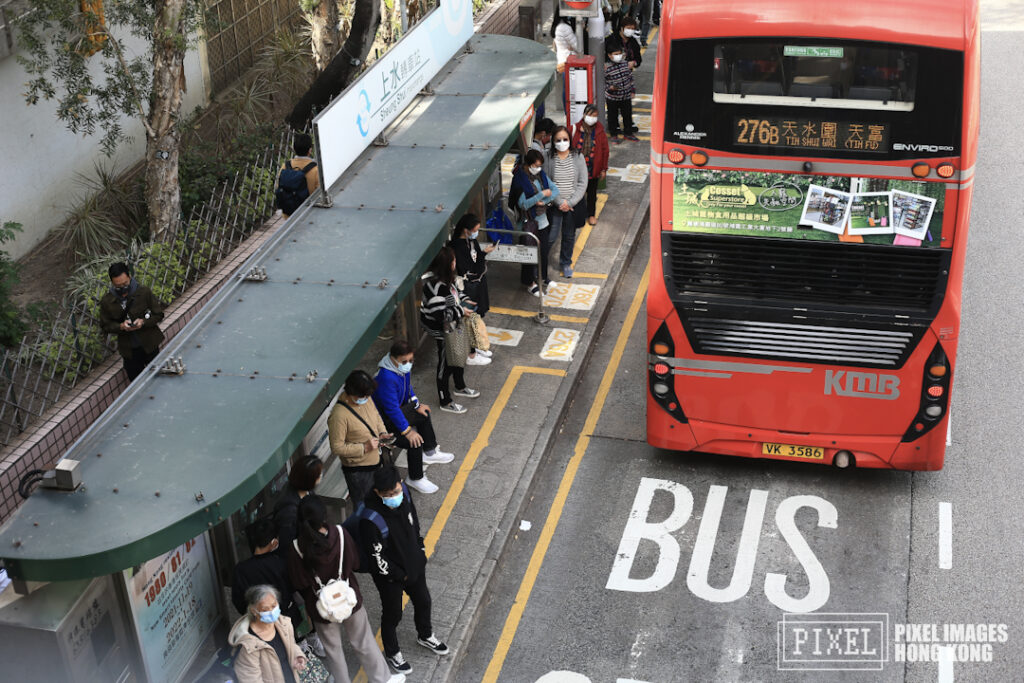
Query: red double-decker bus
{"points": [[810, 193]]}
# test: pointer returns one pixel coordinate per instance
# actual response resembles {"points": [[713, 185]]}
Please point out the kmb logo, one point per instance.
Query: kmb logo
{"points": [[863, 384]]}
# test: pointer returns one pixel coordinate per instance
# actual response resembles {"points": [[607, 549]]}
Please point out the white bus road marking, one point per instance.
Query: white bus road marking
{"points": [[503, 337], [560, 345], [664, 536], [945, 536]]}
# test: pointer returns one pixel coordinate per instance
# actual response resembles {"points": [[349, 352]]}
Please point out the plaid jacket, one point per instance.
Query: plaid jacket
{"points": [[619, 76]]}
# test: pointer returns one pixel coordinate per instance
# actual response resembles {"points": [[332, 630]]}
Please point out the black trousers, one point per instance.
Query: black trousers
{"points": [[137, 362], [360, 482], [446, 372], [423, 425], [391, 612], [592, 197], [615, 108]]}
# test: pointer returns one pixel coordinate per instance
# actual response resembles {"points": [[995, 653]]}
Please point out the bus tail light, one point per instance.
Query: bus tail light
{"points": [[676, 156], [920, 169], [660, 374], [699, 158], [945, 170], [934, 395]]}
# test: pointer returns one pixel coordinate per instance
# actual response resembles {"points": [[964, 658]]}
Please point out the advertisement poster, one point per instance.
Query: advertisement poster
{"points": [[868, 210], [174, 605]]}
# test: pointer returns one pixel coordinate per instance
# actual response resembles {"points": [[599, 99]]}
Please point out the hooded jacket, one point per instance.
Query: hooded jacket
{"points": [[400, 557], [394, 390], [257, 661], [324, 567]]}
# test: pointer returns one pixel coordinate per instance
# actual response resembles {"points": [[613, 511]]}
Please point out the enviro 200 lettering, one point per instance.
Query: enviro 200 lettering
{"points": [[665, 533]]}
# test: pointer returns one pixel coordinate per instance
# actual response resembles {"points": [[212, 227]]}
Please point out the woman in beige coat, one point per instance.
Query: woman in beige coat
{"points": [[267, 652]]}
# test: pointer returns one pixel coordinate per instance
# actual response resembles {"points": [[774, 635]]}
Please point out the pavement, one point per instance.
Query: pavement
{"points": [[505, 435]]}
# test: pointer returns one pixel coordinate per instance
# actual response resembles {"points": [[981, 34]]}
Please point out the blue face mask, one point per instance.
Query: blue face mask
{"points": [[362, 401], [392, 501], [405, 367], [271, 616], [474, 234]]}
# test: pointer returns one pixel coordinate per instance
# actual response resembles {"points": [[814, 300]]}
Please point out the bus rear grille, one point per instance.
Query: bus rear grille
{"points": [[813, 343], [806, 272]]}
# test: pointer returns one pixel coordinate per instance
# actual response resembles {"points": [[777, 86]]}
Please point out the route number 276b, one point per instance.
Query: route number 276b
{"points": [[663, 534], [757, 132]]}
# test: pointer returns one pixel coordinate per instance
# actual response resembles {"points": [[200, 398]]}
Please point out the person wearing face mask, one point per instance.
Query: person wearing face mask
{"points": [[313, 561], [471, 266], [303, 477], [398, 565], [626, 40], [355, 430], [132, 312], [569, 170], [530, 193], [404, 415], [590, 140], [266, 566], [265, 640], [619, 91]]}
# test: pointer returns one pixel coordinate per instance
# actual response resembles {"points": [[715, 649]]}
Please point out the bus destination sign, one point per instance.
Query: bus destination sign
{"points": [[797, 133]]}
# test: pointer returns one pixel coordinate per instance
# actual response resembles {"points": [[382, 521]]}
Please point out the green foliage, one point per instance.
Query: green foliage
{"points": [[204, 165], [12, 326], [60, 46], [71, 353], [89, 229]]}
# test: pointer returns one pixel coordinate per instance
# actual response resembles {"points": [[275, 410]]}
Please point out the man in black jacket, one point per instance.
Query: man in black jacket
{"points": [[398, 564], [133, 313]]}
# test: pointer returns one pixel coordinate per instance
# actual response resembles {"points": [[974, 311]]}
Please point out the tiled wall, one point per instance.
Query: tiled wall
{"points": [[50, 437], [502, 18]]}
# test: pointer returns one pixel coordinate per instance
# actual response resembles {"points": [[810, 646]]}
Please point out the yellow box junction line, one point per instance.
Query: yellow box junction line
{"points": [[515, 614], [481, 442]]}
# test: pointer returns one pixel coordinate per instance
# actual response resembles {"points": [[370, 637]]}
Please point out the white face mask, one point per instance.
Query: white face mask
{"points": [[534, 170], [562, 145], [617, 58], [628, 32], [590, 120]]}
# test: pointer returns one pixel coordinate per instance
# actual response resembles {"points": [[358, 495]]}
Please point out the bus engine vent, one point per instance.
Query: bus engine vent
{"points": [[800, 299]]}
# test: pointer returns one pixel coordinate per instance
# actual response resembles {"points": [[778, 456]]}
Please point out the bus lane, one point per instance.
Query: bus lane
{"points": [[646, 565]]}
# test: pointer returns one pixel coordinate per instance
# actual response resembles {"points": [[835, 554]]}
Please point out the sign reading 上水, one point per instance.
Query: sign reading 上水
{"points": [[355, 118]]}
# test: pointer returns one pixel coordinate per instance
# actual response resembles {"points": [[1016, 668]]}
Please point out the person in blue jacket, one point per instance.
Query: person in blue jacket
{"points": [[531, 192], [404, 415]]}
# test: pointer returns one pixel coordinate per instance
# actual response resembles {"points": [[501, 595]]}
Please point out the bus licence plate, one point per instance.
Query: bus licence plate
{"points": [[788, 451]]}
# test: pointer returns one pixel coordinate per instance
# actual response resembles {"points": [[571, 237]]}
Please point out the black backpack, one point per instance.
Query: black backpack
{"points": [[291, 188], [351, 525]]}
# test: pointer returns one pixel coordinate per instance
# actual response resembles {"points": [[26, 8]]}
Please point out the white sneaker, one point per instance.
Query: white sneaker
{"points": [[453, 407], [551, 287], [486, 354], [467, 392], [478, 359], [423, 485], [438, 457]]}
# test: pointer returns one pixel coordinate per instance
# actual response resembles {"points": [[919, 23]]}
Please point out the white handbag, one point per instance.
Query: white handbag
{"points": [[335, 600]]}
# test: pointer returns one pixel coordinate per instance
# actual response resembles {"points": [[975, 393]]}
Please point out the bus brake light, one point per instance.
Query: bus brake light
{"points": [[935, 391], [676, 156], [945, 170], [661, 368], [920, 169]]}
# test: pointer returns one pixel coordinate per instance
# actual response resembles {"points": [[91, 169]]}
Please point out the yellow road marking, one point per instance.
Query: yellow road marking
{"points": [[581, 240], [555, 513], [652, 37], [529, 314], [592, 276], [481, 442]]}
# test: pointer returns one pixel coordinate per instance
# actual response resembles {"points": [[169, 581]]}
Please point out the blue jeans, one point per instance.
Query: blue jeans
{"points": [[563, 220]]}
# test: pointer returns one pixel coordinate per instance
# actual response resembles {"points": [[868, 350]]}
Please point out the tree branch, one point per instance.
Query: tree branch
{"points": [[131, 82]]}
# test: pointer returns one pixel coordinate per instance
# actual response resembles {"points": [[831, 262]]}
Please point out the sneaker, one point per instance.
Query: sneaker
{"points": [[315, 646], [632, 137], [453, 408], [566, 271], [433, 644], [467, 392], [534, 289], [486, 354], [477, 359], [423, 485], [437, 457], [397, 661], [550, 287]]}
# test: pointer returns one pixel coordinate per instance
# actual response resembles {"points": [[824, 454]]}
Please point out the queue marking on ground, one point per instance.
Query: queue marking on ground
{"points": [[481, 442], [540, 550], [560, 344], [533, 314], [581, 239], [503, 337]]}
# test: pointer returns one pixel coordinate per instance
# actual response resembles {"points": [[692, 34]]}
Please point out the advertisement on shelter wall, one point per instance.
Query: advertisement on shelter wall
{"points": [[867, 210], [174, 606]]}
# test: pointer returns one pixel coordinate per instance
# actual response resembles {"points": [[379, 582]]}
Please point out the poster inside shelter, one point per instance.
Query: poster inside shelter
{"points": [[825, 208]]}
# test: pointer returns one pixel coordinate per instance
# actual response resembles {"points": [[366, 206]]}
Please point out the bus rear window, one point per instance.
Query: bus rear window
{"points": [[809, 75]]}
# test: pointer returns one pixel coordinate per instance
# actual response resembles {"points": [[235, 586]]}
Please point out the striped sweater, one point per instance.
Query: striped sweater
{"points": [[441, 308]]}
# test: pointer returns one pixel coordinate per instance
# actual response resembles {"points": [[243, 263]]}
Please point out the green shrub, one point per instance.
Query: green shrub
{"points": [[12, 326]]}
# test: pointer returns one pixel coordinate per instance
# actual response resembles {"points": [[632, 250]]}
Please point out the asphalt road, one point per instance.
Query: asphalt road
{"points": [[724, 547]]}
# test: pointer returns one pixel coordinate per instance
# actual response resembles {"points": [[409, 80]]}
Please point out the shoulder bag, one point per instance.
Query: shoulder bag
{"points": [[335, 600], [383, 449]]}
